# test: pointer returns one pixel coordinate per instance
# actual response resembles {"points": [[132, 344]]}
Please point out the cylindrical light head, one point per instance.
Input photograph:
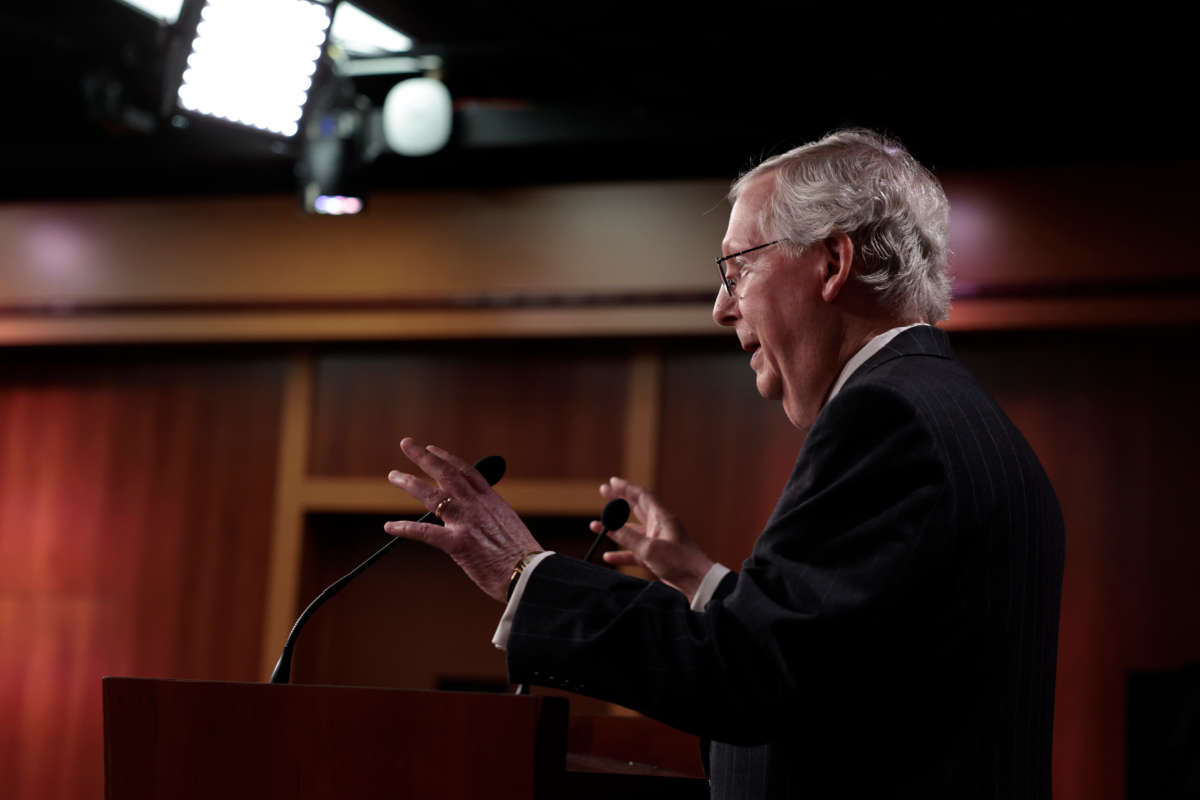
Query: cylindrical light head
{"points": [[417, 115]]}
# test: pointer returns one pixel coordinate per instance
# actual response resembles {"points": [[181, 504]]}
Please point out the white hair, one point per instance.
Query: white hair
{"points": [[893, 209]]}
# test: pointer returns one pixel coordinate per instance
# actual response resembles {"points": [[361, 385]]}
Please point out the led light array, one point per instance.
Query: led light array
{"points": [[253, 61]]}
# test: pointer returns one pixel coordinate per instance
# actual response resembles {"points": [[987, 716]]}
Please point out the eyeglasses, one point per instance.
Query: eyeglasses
{"points": [[725, 280]]}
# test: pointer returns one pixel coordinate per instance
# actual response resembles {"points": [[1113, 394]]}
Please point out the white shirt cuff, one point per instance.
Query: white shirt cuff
{"points": [[500, 637], [716, 573]]}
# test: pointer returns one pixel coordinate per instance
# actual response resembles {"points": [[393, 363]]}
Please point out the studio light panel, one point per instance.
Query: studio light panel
{"points": [[253, 61]]}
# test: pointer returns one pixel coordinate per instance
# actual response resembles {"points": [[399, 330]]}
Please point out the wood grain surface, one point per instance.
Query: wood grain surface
{"points": [[135, 510], [552, 409]]}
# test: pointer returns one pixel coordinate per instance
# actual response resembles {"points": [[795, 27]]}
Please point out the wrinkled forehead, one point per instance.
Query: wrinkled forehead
{"points": [[746, 217]]}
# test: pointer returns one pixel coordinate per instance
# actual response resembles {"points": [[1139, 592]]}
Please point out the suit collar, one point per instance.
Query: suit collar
{"points": [[922, 340], [864, 354]]}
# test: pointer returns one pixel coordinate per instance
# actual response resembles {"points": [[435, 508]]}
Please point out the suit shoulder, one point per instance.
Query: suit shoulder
{"points": [[939, 391], [869, 422]]}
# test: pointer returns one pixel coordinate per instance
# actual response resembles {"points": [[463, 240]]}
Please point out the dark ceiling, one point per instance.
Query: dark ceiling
{"points": [[549, 92]]}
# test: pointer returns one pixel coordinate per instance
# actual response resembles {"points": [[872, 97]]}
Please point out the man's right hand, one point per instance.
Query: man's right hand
{"points": [[658, 543]]}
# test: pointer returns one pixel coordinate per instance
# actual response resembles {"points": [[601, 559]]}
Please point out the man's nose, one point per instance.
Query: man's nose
{"points": [[724, 308]]}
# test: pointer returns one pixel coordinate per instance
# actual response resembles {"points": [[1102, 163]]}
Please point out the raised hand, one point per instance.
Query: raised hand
{"points": [[482, 533], [659, 543]]}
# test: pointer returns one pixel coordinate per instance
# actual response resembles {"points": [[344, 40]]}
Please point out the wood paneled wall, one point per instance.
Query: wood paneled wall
{"points": [[135, 510], [561, 405], [583, 239], [1010, 229], [1040, 248], [1087, 230], [1112, 416]]}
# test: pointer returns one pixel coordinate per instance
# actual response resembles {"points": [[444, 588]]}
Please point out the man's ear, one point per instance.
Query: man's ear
{"points": [[839, 262]]}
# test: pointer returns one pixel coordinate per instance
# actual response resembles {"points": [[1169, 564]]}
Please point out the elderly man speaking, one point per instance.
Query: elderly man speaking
{"points": [[893, 632]]}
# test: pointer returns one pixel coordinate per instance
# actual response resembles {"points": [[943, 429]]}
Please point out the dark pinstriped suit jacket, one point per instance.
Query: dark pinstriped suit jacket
{"points": [[894, 631]]}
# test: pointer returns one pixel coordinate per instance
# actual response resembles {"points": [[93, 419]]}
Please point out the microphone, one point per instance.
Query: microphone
{"points": [[614, 515], [490, 467]]}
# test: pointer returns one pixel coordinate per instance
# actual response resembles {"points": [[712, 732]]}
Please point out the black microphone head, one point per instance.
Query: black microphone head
{"points": [[614, 515], [491, 468]]}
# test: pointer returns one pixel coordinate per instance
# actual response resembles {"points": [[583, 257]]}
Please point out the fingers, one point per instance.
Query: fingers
{"points": [[477, 481], [619, 487], [474, 502], [626, 535], [448, 476], [642, 502], [419, 531], [427, 495], [450, 480], [596, 526], [622, 558], [629, 537], [452, 473]]}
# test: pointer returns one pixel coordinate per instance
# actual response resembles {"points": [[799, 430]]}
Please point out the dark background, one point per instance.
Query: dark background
{"points": [[549, 92]]}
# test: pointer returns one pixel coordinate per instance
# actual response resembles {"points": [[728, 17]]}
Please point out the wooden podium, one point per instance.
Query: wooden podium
{"points": [[198, 739]]}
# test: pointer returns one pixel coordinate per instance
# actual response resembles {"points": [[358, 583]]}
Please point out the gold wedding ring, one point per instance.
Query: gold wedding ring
{"points": [[437, 512]]}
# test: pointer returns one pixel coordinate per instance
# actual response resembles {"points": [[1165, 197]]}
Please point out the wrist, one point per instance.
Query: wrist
{"points": [[695, 578], [518, 570]]}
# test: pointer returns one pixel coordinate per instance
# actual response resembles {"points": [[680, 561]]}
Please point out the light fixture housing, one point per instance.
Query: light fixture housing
{"points": [[165, 11], [252, 62], [360, 34]]}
